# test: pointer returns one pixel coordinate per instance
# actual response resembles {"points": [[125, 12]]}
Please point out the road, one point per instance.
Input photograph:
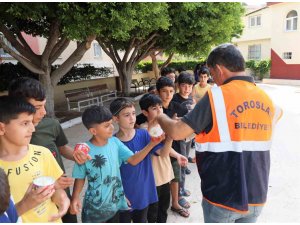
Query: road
{"points": [[284, 186]]}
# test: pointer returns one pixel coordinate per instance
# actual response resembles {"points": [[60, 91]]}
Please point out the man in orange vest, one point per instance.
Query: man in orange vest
{"points": [[234, 123]]}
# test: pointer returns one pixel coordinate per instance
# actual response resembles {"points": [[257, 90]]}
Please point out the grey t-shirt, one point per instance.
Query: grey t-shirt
{"points": [[200, 118]]}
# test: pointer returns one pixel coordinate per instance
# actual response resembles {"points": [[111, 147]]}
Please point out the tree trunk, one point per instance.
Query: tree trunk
{"points": [[46, 82], [155, 68], [125, 78]]}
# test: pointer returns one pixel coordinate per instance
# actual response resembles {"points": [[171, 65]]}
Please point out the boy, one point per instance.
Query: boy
{"points": [[48, 132], [201, 88], [8, 212], [24, 162], [185, 86], [151, 106], [104, 196], [166, 88], [138, 181]]}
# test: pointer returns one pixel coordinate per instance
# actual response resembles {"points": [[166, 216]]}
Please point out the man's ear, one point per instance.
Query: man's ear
{"points": [[145, 113], [2, 128]]}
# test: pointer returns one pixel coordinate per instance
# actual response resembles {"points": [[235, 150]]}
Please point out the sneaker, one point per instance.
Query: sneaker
{"points": [[187, 171]]}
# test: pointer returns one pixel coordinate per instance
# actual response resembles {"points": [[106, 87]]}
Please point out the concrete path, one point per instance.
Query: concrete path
{"points": [[284, 186]]}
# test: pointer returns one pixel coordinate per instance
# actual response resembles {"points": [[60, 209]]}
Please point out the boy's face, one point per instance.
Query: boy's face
{"points": [[171, 76], [103, 130], [166, 94], [153, 112], [126, 118], [40, 110], [18, 131], [203, 79], [185, 89]]}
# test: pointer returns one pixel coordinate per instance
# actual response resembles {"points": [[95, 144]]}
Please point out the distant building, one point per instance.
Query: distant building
{"points": [[272, 32], [94, 56]]}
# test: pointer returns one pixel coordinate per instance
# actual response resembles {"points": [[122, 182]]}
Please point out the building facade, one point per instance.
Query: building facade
{"points": [[273, 32]]}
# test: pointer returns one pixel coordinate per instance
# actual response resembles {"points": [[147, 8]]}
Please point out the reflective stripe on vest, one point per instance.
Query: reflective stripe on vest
{"points": [[226, 144]]}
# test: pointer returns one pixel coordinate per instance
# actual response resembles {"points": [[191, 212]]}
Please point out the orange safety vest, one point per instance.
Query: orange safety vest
{"points": [[233, 157]]}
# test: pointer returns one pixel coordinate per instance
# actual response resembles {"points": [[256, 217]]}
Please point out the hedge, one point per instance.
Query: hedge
{"points": [[9, 72]]}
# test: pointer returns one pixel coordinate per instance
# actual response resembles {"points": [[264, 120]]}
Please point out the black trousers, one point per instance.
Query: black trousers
{"points": [[135, 216], [158, 211], [115, 218]]}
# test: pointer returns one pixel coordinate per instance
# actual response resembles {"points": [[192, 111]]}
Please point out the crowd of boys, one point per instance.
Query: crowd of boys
{"points": [[131, 175]]}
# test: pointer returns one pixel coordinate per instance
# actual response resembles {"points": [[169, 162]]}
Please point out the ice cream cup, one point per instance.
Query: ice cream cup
{"points": [[82, 147], [155, 133], [43, 181]]}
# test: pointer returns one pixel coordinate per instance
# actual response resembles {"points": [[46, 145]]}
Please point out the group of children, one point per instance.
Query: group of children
{"points": [[130, 174]]}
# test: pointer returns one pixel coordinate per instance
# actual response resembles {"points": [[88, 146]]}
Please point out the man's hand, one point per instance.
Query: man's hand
{"points": [[182, 160], [62, 202], [64, 182], [75, 206], [80, 157], [33, 197]]}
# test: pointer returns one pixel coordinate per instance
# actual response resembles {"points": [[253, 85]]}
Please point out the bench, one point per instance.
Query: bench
{"points": [[148, 81], [136, 84], [85, 97], [102, 92]]}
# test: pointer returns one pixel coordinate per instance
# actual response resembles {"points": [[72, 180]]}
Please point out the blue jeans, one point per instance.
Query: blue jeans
{"points": [[214, 214]]}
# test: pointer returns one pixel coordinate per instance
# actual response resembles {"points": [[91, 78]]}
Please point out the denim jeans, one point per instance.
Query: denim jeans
{"points": [[214, 214]]}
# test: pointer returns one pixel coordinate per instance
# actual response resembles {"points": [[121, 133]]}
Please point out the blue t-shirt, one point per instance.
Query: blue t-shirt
{"points": [[138, 181], [104, 195], [10, 215]]}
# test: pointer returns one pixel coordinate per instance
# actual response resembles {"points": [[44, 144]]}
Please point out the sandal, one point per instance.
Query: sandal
{"points": [[185, 193], [184, 203], [182, 212]]}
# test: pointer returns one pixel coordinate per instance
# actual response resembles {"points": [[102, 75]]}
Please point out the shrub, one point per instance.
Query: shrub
{"points": [[260, 68]]}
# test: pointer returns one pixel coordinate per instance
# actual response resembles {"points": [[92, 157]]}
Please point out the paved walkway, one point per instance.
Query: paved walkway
{"points": [[284, 186]]}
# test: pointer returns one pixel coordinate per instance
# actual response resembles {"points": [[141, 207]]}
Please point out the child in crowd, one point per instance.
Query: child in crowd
{"points": [[201, 88], [104, 197], [166, 89], [48, 131], [138, 181], [8, 212], [24, 162], [185, 86], [151, 106]]}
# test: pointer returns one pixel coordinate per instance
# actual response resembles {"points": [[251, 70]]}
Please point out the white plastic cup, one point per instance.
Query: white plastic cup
{"points": [[43, 181]]}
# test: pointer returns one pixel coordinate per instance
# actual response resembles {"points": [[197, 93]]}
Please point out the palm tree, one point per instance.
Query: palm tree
{"points": [[98, 162]]}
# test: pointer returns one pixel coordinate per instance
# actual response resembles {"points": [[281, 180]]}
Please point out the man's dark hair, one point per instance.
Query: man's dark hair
{"points": [[151, 89], [185, 78], [12, 107], [181, 69], [4, 192], [95, 115], [228, 56], [166, 70], [149, 100], [26, 87], [164, 82], [204, 70], [117, 105]]}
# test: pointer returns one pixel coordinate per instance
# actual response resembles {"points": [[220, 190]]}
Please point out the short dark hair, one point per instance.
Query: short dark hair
{"points": [[117, 105], [149, 100], [4, 193], [166, 70], [151, 88], [185, 78], [228, 56], [12, 107], [26, 87], [164, 82], [204, 70], [95, 115]]}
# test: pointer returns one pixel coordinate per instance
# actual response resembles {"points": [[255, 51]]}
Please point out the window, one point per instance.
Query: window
{"points": [[254, 52], [291, 21], [255, 21], [97, 50], [287, 55]]}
